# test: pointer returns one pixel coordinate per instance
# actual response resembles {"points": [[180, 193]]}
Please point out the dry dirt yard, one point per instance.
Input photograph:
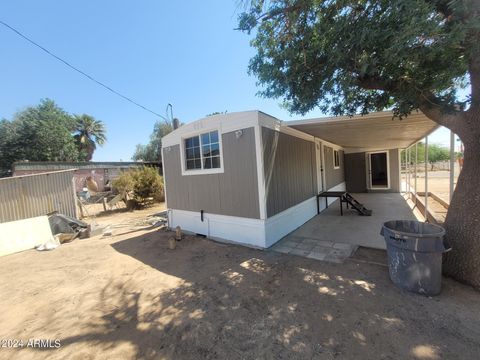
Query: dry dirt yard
{"points": [[128, 297]]}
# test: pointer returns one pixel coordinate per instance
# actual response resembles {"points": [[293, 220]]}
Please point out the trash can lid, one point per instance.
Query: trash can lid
{"points": [[414, 235], [415, 228]]}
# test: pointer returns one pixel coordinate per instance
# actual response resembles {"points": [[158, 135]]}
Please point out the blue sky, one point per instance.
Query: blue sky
{"points": [[156, 52]]}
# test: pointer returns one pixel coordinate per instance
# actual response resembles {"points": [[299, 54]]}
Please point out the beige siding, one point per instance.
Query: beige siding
{"points": [[233, 192], [333, 176], [356, 172], [290, 168], [35, 195]]}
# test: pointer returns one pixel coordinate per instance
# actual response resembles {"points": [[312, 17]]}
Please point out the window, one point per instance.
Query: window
{"points": [[202, 151], [336, 159]]}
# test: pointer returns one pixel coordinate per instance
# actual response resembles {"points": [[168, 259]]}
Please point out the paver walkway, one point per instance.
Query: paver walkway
{"points": [[315, 249]]}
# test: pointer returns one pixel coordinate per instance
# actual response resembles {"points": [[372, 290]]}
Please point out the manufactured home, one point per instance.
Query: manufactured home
{"points": [[250, 178]]}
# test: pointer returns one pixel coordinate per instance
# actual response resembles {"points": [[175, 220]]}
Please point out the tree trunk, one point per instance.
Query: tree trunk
{"points": [[89, 149], [463, 221]]}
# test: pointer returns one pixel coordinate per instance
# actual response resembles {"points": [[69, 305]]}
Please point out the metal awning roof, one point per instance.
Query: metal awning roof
{"points": [[375, 131]]}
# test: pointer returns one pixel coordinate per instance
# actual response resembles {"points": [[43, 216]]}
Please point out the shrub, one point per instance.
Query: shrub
{"points": [[140, 185]]}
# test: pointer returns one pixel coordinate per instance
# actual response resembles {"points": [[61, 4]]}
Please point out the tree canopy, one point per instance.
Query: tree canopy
{"points": [[39, 133], [436, 153], [88, 133], [349, 57], [153, 150]]}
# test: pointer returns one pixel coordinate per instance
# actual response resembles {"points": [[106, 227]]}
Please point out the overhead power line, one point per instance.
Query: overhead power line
{"points": [[80, 71]]}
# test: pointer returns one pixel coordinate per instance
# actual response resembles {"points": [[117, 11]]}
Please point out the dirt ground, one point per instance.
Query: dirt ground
{"points": [[128, 297], [438, 183], [123, 219]]}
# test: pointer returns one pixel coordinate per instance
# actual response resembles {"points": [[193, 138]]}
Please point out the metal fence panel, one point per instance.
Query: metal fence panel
{"points": [[35, 195]]}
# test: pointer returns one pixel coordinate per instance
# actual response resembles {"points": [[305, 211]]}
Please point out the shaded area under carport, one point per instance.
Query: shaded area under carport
{"points": [[329, 236]]}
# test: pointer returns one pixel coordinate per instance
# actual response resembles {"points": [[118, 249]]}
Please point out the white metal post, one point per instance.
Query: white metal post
{"points": [[416, 162], [401, 172], [426, 179], [406, 169], [404, 166], [409, 155], [452, 163]]}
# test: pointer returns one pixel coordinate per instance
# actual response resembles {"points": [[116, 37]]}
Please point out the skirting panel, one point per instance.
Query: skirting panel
{"points": [[250, 232]]}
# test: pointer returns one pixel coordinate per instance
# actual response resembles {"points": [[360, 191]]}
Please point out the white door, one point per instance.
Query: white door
{"points": [[318, 157], [378, 170]]}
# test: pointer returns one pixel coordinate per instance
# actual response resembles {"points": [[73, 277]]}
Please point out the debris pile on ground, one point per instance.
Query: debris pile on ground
{"points": [[68, 227], [158, 220], [49, 245]]}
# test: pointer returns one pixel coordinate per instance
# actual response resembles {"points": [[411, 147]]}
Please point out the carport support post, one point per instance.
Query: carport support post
{"points": [[404, 167], [408, 167], [452, 163], [426, 179], [416, 163]]}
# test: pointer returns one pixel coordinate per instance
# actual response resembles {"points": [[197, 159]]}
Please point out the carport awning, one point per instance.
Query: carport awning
{"points": [[376, 131]]}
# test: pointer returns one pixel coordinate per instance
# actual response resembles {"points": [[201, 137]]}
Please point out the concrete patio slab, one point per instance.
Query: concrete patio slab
{"points": [[352, 229], [334, 238]]}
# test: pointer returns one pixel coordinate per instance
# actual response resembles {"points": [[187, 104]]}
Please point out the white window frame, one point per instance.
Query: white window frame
{"points": [[338, 152], [183, 158]]}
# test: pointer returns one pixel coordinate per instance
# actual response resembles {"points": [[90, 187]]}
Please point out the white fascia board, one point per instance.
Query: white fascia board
{"points": [[333, 119], [225, 123], [273, 123], [331, 145], [282, 126]]}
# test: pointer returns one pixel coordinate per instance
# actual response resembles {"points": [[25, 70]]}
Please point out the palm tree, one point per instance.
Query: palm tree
{"points": [[88, 133]]}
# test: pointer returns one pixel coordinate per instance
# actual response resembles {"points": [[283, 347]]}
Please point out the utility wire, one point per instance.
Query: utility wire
{"points": [[80, 71]]}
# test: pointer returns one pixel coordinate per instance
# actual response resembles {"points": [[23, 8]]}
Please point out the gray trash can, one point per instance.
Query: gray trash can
{"points": [[415, 255]]}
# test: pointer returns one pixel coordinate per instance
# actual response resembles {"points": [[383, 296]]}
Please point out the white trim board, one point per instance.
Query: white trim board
{"points": [[262, 197], [369, 170], [202, 171], [225, 123], [333, 119], [230, 122]]}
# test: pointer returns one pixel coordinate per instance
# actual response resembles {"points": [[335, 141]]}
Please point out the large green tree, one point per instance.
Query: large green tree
{"points": [[46, 133], [153, 150], [38, 133], [359, 56], [436, 153], [89, 133]]}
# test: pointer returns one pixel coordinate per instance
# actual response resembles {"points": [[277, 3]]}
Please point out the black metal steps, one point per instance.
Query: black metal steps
{"points": [[350, 200]]}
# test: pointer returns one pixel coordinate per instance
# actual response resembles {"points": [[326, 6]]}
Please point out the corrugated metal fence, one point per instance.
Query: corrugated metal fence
{"points": [[35, 195]]}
